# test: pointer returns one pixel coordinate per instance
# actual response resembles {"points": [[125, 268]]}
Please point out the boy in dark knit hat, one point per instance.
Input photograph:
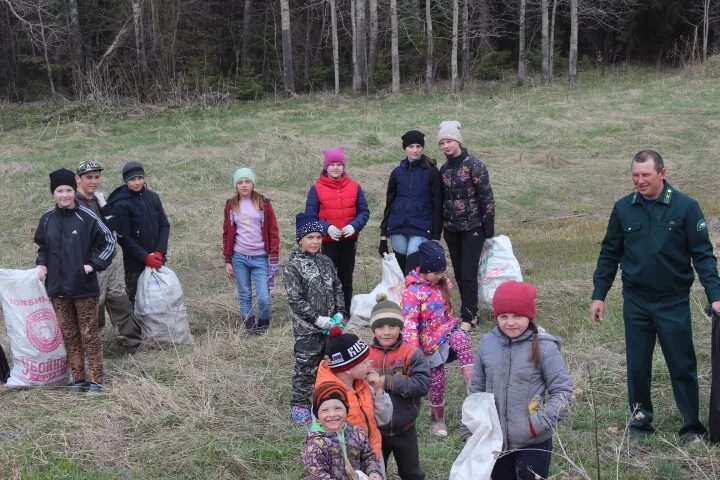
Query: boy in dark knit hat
{"points": [[314, 295], [141, 225], [401, 370], [347, 365]]}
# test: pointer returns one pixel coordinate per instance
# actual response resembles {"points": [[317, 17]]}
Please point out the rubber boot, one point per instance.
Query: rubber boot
{"points": [[413, 261], [437, 421], [401, 259], [467, 373]]}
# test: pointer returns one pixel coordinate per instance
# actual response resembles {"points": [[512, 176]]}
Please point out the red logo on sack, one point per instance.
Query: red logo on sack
{"points": [[43, 331]]}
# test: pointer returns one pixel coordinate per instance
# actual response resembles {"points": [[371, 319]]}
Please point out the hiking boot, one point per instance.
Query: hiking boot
{"points": [[437, 421], [77, 387], [300, 415], [94, 389]]}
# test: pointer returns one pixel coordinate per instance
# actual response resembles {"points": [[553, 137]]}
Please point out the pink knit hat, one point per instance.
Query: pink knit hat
{"points": [[333, 155]]}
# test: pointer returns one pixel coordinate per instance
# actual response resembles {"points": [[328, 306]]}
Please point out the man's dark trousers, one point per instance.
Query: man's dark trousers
{"points": [[668, 320]]}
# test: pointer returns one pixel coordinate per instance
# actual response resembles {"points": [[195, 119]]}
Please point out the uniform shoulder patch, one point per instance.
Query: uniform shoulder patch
{"points": [[701, 225]]}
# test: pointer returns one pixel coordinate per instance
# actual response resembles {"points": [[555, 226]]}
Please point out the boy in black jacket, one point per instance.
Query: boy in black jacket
{"points": [[141, 225], [401, 370]]}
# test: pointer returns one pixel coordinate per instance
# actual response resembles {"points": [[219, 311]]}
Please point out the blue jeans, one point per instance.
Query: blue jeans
{"points": [[255, 267], [406, 245]]}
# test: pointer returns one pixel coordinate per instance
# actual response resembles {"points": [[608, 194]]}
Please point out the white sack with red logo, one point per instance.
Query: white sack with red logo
{"points": [[38, 351]]}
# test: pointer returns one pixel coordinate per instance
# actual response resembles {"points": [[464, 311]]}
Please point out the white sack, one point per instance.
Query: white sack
{"points": [[160, 308], [392, 285], [477, 458], [497, 265], [36, 342]]}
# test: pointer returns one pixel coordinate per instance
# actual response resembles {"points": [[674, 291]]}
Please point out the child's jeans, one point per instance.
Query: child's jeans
{"points": [[524, 464], [460, 343], [255, 267]]}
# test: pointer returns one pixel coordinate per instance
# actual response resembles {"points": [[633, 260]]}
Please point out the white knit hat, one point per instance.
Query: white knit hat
{"points": [[450, 130]]}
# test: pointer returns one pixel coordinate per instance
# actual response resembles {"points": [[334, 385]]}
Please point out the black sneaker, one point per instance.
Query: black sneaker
{"points": [[78, 387]]}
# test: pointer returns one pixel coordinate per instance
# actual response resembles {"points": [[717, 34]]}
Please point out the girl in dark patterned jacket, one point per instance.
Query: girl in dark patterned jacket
{"points": [[74, 244], [468, 214], [315, 295], [522, 366], [335, 449], [413, 204]]}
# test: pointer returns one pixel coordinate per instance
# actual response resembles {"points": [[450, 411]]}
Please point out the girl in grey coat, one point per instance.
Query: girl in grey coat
{"points": [[522, 366]]}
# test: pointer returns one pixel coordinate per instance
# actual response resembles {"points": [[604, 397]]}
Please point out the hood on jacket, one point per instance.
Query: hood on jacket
{"points": [[123, 192]]}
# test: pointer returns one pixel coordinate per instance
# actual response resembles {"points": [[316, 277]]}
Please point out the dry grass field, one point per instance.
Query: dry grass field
{"points": [[558, 158]]}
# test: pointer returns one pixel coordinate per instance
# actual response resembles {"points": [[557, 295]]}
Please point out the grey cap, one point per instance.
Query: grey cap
{"points": [[133, 169]]}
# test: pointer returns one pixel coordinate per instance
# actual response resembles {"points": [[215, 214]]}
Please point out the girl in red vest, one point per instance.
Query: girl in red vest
{"points": [[339, 203]]}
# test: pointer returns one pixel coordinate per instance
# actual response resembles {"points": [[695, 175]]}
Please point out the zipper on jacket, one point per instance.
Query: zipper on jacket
{"points": [[507, 389]]}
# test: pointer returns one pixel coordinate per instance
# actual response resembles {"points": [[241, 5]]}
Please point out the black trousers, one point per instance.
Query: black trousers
{"points": [[524, 464], [131, 281], [342, 254], [405, 449], [465, 249]]}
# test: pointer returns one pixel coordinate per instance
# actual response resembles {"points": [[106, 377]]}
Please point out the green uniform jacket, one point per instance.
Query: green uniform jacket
{"points": [[655, 249]]}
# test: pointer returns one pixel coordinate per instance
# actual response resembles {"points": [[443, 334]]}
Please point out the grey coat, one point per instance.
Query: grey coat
{"points": [[313, 290], [503, 367]]}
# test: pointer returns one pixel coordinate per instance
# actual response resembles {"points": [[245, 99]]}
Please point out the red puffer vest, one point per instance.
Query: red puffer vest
{"points": [[338, 201]]}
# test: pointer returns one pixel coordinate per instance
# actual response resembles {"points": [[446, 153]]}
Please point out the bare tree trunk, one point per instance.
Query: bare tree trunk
{"points": [[372, 48], [465, 45], [706, 27], [119, 37], [140, 46], [307, 48], [484, 27], [75, 44], [429, 52], [394, 47], [521, 45], [336, 57], [545, 50], [353, 21], [288, 77], [45, 51], [551, 43], [361, 43], [572, 73], [247, 15], [453, 54]]}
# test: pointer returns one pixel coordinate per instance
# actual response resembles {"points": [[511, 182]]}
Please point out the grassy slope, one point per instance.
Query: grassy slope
{"points": [[558, 159]]}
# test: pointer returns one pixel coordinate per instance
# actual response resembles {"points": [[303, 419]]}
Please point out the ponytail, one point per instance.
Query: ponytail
{"points": [[535, 355]]}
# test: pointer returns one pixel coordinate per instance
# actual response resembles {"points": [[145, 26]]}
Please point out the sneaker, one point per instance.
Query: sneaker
{"points": [[77, 387], [300, 415], [94, 389]]}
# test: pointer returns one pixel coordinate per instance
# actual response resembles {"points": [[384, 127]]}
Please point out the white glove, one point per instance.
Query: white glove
{"points": [[334, 232], [348, 230], [324, 323]]}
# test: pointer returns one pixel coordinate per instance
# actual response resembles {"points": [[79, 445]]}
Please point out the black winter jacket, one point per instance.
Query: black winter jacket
{"points": [[68, 239], [140, 222]]}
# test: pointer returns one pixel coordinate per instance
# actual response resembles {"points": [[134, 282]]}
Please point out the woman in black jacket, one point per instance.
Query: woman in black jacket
{"points": [[413, 205], [74, 244]]}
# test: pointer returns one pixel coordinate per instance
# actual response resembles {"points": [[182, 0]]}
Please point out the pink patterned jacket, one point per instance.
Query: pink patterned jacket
{"points": [[427, 321]]}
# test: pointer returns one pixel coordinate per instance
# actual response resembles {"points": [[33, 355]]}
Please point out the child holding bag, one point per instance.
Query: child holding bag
{"points": [[431, 326], [251, 247], [522, 366], [314, 295]]}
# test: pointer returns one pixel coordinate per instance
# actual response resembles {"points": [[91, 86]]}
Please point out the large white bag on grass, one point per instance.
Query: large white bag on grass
{"points": [[477, 458], [392, 285], [160, 308], [36, 342], [497, 265]]}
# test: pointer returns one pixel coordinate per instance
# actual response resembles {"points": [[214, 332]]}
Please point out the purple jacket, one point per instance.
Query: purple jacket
{"points": [[324, 460]]}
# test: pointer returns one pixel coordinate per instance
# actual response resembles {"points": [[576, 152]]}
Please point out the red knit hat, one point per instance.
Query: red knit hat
{"points": [[515, 297]]}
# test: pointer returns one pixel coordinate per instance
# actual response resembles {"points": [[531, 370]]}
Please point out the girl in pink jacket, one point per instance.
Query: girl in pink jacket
{"points": [[431, 326]]}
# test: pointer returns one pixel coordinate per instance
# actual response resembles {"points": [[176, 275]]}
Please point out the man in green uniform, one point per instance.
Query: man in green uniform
{"points": [[657, 235]]}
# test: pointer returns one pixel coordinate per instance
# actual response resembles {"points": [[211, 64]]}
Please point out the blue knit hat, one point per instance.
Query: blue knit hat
{"points": [[305, 224], [432, 257]]}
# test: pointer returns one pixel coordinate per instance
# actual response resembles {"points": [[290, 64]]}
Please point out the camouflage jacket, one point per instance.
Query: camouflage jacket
{"points": [[313, 289]]}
